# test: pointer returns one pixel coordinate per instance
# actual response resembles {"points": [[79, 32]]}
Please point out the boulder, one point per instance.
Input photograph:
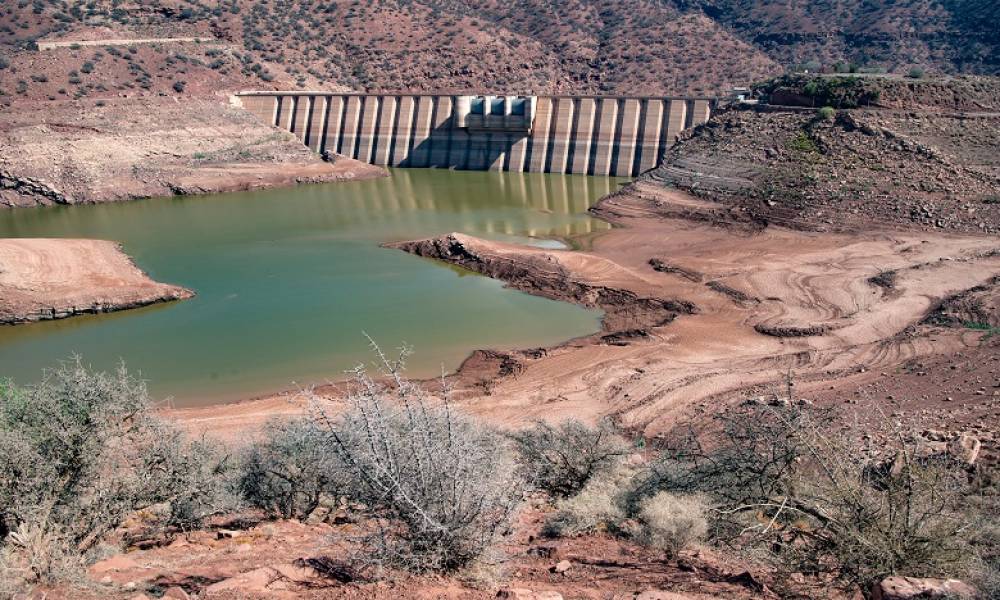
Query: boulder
{"points": [[319, 515], [252, 581], [526, 594], [964, 448], [118, 562], [914, 588], [176, 593], [222, 534], [661, 595], [561, 566], [298, 574]]}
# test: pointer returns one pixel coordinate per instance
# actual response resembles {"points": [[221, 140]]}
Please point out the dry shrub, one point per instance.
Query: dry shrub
{"points": [[442, 487], [818, 503], [291, 470], [598, 506], [984, 573], [79, 453], [561, 459], [672, 522]]}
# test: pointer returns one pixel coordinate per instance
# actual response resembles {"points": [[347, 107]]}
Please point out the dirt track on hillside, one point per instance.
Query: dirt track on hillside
{"points": [[54, 278], [758, 305]]}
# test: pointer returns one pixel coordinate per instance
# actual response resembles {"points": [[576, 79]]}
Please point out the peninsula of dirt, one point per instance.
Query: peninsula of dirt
{"points": [[56, 278]]}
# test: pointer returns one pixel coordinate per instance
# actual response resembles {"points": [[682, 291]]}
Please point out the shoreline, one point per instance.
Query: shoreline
{"points": [[702, 312]]}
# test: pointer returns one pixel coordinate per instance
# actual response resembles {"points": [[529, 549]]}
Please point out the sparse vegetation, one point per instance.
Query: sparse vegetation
{"points": [[290, 472], [561, 459], [441, 486], [802, 143], [671, 522], [597, 506], [816, 503], [80, 452]]}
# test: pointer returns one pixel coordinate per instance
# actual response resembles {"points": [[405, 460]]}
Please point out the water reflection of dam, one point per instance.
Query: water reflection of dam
{"points": [[416, 202], [552, 134]]}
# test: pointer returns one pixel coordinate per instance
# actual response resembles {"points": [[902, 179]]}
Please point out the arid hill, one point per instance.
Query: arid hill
{"points": [[913, 155], [598, 46]]}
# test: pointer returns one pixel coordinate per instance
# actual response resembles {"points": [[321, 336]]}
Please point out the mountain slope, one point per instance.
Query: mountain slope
{"points": [[541, 46]]}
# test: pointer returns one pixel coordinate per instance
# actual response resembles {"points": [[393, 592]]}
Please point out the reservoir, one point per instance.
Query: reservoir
{"points": [[288, 281]]}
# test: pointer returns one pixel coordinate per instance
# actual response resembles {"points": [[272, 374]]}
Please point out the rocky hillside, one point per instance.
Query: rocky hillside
{"points": [[931, 166], [941, 35], [600, 46]]}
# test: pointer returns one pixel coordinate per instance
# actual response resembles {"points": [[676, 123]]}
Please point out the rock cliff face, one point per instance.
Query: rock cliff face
{"points": [[25, 191], [44, 279]]}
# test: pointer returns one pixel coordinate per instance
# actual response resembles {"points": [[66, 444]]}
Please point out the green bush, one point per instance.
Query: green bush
{"points": [[827, 113], [802, 143]]}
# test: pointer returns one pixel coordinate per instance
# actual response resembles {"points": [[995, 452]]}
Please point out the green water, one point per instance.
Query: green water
{"points": [[287, 280]]}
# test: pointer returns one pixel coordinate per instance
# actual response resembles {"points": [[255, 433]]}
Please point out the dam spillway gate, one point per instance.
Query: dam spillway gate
{"points": [[592, 135]]}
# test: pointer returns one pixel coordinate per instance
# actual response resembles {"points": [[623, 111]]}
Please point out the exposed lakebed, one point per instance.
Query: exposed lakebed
{"points": [[288, 280]]}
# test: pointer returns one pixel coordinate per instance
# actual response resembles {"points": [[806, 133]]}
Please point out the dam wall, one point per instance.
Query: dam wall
{"points": [[592, 135]]}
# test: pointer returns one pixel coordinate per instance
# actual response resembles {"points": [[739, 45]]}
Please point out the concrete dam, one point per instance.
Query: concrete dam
{"points": [[591, 135]]}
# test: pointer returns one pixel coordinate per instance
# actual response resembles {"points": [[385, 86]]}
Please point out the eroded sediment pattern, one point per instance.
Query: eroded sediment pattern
{"points": [[765, 303]]}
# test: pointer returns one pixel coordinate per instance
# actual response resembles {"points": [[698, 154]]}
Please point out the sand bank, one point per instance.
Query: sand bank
{"points": [[57, 278]]}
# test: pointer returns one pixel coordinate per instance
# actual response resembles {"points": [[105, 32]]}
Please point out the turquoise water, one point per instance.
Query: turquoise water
{"points": [[287, 281]]}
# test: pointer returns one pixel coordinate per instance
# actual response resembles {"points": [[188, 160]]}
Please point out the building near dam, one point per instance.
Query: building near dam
{"points": [[593, 135]]}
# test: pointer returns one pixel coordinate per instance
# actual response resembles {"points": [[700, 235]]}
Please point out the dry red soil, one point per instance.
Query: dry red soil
{"points": [[249, 559]]}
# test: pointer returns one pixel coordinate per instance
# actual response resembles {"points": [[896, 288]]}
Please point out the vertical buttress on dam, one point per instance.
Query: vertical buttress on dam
{"points": [[619, 136]]}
